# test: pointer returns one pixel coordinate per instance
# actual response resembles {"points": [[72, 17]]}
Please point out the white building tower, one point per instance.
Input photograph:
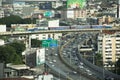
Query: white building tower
{"points": [[1, 3], [109, 47]]}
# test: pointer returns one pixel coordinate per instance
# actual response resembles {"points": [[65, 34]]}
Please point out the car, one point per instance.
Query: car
{"points": [[81, 63], [64, 53], [46, 48], [51, 62], [89, 73], [53, 65], [56, 54], [74, 72], [54, 60], [80, 66]]}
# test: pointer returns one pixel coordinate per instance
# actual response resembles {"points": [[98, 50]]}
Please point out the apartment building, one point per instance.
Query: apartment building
{"points": [[109, 47]]}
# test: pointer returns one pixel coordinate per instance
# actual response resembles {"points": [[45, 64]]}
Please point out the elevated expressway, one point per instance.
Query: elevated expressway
{"points": [[56, 31]]}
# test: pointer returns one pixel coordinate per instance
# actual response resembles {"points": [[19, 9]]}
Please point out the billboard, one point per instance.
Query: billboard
{"points": [[72, 4], [53, 23], [40, 56]]}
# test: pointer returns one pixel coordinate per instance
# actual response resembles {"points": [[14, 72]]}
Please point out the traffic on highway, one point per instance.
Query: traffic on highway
{"points": [[66, 60], [54, 61]]}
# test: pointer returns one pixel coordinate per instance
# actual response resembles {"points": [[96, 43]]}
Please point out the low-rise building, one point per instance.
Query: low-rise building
{"points": [[44, 77], [14, 72]]}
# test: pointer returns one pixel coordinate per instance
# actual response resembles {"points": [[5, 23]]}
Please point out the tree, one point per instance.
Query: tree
{"points": [[10, 20], [98, 59], [36, 43], [8, 55], [118, 66], [17, 59], [19, 47], [14, 19]]}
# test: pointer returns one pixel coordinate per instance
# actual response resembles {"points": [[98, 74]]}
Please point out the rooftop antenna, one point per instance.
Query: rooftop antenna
{"points": [[118, 9]]}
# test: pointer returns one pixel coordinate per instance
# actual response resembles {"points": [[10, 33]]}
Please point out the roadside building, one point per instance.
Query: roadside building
{"points": [[109, 47], [15, 72], [45, 76]]}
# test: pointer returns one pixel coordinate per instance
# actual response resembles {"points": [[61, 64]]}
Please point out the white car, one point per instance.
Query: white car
{"points": [[50, 62], [81, 63], [56, 54], [54, 60], [80, 66], [53, 65]]}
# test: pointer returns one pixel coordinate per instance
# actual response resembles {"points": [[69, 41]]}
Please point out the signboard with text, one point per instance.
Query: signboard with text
{"points": [[72, 4], [49, 43]]}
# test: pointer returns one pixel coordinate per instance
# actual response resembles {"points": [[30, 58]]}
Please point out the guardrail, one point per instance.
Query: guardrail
{"points": [[99, 70], [61, 73]]}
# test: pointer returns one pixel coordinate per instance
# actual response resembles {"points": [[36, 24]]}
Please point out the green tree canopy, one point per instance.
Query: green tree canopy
{"points": [[19, 47], [8, 55], [14, 19], [118, 66], [36, 43], [10, 20], [98, 59]]}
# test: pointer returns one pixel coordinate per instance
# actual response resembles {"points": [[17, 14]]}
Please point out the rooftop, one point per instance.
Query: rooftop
{"points": [[15, 79]]}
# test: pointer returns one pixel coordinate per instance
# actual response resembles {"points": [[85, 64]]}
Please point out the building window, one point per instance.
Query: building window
{"points": [[44, 38], [44, 35], [108, 58], [37, 35], [108, 40], [108, 54]]}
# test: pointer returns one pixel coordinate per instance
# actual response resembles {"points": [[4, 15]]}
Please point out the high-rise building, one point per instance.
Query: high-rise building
{"points": [[0, 3], [109, 47]]}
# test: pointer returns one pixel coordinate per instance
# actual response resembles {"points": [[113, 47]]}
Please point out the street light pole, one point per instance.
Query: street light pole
{"points": [[103, 72], [93, 58], [70, 58]]}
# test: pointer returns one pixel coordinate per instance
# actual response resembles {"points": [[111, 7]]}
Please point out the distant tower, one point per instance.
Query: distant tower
{"points": [[118, 9]]}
